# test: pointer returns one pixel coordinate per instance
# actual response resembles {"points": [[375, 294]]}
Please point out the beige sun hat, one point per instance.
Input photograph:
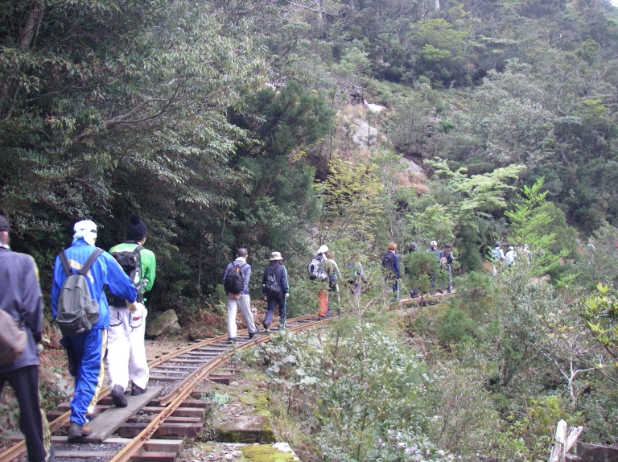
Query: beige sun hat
{"points": [[275, 256]]}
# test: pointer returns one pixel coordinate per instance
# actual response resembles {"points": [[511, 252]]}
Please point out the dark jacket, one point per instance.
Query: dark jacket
{"points": [[20, 296], [281, 276], [449, 257], [396, 269]]}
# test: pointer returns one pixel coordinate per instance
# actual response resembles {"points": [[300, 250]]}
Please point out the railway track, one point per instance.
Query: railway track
{"points": [[169, 412], [172, 413]]}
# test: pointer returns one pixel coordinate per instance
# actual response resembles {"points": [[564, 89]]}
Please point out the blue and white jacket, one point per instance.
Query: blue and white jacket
{"points": [[105, 271]]}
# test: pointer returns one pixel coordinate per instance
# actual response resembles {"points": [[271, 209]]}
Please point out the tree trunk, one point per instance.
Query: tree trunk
{"points": [[437, 5], [27, 31]]}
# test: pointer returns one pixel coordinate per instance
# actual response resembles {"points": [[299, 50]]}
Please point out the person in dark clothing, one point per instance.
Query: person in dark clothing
{"points": [[446, 260], [275, 289], [412, 248], [390, 262], [20, 297]]}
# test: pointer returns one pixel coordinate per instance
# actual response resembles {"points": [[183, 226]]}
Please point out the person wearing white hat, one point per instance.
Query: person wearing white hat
{"points": [[433, 248], [510, 256], [86, 350], [275, 289]]}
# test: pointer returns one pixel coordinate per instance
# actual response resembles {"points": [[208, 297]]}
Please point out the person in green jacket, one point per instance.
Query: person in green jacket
{"points": [[126, 355]]}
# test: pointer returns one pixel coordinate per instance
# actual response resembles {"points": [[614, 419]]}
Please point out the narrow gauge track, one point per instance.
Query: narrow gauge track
{"points": [[177, 372]]}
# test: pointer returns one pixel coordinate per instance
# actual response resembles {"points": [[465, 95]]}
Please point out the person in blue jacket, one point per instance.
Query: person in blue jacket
{"points": [[390, 263], [86, 351], [275, 289]]}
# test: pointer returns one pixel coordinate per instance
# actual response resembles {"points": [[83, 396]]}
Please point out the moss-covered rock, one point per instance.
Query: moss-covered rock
{"points": [[266, 453], [254, 428]]}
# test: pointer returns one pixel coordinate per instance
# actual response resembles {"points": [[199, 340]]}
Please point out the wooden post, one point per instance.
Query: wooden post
{"points": [[558, 451]]}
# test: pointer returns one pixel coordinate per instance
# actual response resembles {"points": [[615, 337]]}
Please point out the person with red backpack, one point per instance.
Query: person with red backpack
{"points": [[236, 285]]}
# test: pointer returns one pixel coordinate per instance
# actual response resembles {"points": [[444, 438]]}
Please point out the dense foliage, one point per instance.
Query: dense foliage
{"points": [[244, 123]]}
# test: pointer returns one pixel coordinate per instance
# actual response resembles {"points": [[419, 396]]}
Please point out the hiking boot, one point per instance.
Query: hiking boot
{"points": [[266, 326], [118, 396], [252, 334], [135, 391], [77, 431]]}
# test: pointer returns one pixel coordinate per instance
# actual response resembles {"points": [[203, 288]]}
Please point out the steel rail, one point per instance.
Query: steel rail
{"points": [[20, 448], [135, 445]]}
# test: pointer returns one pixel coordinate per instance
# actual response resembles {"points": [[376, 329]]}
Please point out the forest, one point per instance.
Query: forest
{"points": [[281, 125]]}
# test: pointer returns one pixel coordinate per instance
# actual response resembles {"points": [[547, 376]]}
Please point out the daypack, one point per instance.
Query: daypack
{"points": [[77, 311], [388, 261], [443, 262], [495, 254], [12, 339], [234, 281], [272, 287], [315, 269], [131, 263]]}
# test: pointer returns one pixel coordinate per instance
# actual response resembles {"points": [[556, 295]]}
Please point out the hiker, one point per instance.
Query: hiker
{"points": [[317, 272], [332, 271], [446, 260], [21, 301], [355, 275], [126, 353], [236, 283], [433, 248], [411, 249], [510, 256], [390, 263], [275, 289], [497, 256], [86, 349]]}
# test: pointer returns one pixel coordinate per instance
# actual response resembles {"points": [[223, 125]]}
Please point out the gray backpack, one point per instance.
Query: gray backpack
{"points": [[77, 311], [12, 339]]}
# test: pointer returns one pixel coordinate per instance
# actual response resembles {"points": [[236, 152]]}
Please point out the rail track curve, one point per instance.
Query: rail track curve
{"points": [[175, 373]]}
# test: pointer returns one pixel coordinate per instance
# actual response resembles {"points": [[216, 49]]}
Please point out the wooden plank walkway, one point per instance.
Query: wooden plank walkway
{"points": [[112, 418]]}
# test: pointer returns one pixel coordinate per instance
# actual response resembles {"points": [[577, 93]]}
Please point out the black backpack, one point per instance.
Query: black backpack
{"points": [[272, 287], [234, 281], [388, 261], [77, 311], [131, 263]]}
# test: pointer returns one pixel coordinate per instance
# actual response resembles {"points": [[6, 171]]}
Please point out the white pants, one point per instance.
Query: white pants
{"points": [[126, 353], [244, 302]]}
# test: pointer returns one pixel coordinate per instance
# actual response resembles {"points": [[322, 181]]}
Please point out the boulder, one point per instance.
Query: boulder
{"points": [[165, 324]]}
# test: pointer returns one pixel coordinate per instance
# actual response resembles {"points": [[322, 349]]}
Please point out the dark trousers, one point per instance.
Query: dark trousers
{"points": [[25, 384], [272, 303]]}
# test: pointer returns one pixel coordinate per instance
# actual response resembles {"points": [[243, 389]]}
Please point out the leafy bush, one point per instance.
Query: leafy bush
{"points": [[357, 387], [455, 327]]}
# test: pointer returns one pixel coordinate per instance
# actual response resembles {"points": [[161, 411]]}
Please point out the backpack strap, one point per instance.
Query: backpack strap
{"points": [[65, 263], [93, 256]]}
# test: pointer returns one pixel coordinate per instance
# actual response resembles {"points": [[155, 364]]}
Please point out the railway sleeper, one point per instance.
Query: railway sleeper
{"points": [[165, 430]]}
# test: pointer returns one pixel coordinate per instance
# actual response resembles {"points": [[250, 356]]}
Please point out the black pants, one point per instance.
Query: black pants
{"points": [[25, 384]]}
